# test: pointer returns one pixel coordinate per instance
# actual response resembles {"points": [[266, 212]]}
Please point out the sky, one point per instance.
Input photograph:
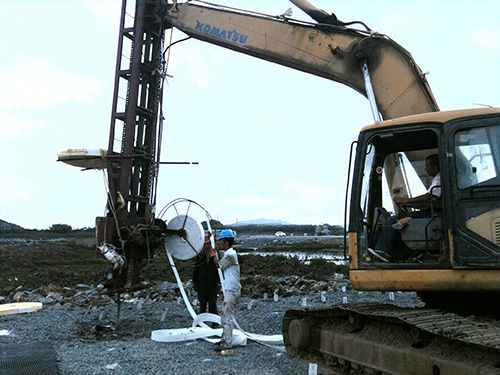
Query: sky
{"points": [[271, 142]]}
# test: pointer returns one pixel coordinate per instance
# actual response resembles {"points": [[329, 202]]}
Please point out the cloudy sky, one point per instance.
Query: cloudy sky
{"points": [[271, 142]]}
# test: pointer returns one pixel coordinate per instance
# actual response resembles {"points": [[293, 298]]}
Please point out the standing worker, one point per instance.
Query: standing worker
{"points": [[231, 285], [206, 277]]}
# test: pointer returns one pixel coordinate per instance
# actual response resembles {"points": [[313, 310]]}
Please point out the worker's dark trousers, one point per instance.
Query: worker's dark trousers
{"points": [[208, 297], [389, 240]]}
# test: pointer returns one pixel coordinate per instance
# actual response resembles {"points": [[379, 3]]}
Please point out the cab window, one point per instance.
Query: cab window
{"points": [[477, 154]]}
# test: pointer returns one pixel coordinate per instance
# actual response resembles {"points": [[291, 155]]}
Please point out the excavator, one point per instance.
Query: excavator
{"points": [[448, 249]]}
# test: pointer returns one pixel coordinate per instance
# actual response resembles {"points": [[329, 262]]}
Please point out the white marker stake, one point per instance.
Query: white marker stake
{"points": [[323, 296], [391, 296], [304, 302], [344, 300], [275, 297], [164, 316], [313, 369]]}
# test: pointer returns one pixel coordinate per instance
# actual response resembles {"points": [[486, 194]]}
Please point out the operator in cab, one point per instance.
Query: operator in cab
{"points": [[389, 246], [434, 191]]}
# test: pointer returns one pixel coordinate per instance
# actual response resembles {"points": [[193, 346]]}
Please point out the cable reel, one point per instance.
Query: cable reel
{"points": [[185, 235]]}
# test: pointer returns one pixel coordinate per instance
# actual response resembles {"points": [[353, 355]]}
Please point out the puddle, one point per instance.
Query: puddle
{"points": [[337, 257]]}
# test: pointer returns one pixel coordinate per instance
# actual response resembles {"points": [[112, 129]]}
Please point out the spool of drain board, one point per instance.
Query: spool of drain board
{"points": [[185, 246]]}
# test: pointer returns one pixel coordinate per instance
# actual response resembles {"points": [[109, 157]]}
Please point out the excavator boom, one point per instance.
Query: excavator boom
{"points": [[329, 50]]}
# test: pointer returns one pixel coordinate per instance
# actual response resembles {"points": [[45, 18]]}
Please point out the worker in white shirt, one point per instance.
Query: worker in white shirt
{"points": [[231, 284]]}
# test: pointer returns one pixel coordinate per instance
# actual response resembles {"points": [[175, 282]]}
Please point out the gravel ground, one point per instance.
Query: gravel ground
{"points": [[90, 340]]}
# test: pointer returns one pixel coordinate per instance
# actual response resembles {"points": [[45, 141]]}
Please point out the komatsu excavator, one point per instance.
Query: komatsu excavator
{"points": [[449, 253]]}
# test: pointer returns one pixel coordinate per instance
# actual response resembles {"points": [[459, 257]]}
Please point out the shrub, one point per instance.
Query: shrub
{"points": [[60, 228]]}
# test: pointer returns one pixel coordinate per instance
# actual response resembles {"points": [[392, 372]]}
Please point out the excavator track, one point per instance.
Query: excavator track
{"points": [[387, 339]]}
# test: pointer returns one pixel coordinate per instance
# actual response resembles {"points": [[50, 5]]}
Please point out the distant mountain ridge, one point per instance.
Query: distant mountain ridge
{"points": [[261, 222], [6, 225]]}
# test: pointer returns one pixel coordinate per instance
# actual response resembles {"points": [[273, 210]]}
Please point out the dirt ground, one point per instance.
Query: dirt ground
{"points": [[66, 262]]}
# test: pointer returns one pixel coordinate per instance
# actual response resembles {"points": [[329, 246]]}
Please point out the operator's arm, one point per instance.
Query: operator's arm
{"points": [[433, 192], [409, 201]]}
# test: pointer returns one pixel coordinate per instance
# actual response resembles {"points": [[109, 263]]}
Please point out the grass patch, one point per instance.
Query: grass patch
{"points": [[278, 265]]}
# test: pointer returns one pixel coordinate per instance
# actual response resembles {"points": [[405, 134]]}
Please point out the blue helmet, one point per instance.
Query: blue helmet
{"points": [[226, 233]]}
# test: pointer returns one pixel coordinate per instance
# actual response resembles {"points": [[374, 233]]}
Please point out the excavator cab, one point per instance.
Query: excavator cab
{"points": [[458, 229], [394, 166]]}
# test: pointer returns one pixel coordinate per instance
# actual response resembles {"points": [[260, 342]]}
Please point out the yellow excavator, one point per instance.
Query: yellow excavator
{"points": [[446, 248]]}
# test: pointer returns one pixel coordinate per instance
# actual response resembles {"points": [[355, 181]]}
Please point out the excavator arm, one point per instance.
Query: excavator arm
{"points": [[328, 49]]}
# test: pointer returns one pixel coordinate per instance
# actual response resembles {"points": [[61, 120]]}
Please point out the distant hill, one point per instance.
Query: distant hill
{"points": [[261, 222], [4, 225]]}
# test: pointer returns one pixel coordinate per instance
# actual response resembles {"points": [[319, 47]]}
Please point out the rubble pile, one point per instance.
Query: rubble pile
{"points": [[255, 286]]}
